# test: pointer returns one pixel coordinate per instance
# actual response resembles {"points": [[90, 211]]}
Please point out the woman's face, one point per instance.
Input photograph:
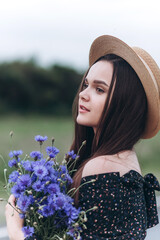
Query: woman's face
{"points": [[93, 96]]}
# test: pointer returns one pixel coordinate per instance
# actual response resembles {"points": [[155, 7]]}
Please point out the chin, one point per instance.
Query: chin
{"points": [[82, 122]]}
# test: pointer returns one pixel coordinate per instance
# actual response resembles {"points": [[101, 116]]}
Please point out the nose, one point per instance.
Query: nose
{"points": [[84, 95]]}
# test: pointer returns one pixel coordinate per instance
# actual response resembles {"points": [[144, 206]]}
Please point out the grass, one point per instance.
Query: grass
{"points": [[148, 152]]}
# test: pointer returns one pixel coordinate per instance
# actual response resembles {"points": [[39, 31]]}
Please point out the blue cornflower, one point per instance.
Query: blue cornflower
{"points": [[71, 232], [41, 162], [27, 165], [15, 153], [52, 151], [40, 139], [72, 154], [68, 178], [59, 201], [16, 190], [13, 176], [12, 163], [49, 164], [38, 186], [47, 211], [40, 171], [63, 169], [53, 174], [71, 212], [23, 202], [28, 231], [53, 188], [36, 155], [33, 177], [74, 233], [24, 181]]}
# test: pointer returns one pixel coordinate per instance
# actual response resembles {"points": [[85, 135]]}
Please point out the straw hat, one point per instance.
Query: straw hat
{"points": [[146, 69]]}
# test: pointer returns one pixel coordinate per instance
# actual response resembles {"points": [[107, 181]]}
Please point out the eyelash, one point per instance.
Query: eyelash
{"points": [[98, 89], [85, 85]]}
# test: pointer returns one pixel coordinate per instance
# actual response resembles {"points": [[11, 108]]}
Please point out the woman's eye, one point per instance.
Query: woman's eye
{"points": [[99, 90], [85, 85]]}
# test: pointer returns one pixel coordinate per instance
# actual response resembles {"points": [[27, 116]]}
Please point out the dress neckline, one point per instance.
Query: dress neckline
{"points": [[116, 173]]}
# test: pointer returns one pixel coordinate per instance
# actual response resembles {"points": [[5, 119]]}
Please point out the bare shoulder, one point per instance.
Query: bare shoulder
{"points": [[121, 163], [95, 166]]}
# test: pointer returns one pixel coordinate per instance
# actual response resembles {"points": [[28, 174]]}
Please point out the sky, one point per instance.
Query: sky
{"points": [[61, 31]]}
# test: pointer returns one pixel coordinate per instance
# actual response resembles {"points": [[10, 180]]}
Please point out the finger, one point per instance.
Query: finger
{"points": [[12, 200]]}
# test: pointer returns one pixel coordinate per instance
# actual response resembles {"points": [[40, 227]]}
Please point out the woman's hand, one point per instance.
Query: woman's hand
{"points": [[13, 220]]}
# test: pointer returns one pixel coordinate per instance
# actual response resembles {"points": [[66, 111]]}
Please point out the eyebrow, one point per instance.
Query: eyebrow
{"points": [[98, 82]]}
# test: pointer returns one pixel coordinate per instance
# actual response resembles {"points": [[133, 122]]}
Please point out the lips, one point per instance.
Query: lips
{"points": [[83, 109]]}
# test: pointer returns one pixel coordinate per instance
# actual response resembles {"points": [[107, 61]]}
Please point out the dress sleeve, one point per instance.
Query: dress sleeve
{"points": [[150, 185]]}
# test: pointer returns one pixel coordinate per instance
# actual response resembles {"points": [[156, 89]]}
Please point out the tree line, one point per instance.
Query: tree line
{"points": [[26, 87]]}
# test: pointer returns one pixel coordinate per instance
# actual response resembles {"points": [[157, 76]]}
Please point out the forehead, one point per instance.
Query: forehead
{"points": [[101, 70]]}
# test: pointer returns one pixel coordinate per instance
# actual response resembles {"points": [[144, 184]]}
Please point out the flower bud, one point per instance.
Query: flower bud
{"points": [[11, 134], [64, 237], [76, 224], [64, 162], [93, 180], [29, 192], [48, 182], [40, 207], [84, 226], [95, 208], [53, 139]]}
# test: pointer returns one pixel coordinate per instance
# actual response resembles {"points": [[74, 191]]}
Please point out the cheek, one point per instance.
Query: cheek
{"points": [[100, 110], [101, 105]]}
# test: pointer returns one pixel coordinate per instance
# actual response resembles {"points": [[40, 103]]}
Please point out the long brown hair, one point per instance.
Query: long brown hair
{"points": [[122, 122]]}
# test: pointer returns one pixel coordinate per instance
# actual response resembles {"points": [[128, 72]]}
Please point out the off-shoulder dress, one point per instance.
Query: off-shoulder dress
{"points": [[126, 205]]}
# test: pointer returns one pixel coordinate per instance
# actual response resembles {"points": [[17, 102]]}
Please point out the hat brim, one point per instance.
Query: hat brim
{"points": [[107, 44]]}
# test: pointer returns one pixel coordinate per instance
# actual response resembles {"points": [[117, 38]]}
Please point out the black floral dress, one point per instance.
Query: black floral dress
{"points": [[126, 205]]}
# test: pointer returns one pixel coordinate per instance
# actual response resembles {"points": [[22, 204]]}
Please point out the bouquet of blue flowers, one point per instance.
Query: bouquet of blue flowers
{"points": [[41, 187]]}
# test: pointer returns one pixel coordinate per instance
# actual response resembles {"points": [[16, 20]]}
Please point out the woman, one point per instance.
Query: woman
{"points": [[116, 105]]}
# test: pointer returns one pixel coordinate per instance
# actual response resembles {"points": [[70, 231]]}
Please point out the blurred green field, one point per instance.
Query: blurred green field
{"points": [[25, 128]]}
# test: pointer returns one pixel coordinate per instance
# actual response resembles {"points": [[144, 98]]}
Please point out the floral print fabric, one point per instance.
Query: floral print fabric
{"points": [[126, 205]]}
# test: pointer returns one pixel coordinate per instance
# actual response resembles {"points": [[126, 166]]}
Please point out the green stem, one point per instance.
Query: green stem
{"points": [[74, 162], [70, 190], [93, 180], [3, 161], [13, 207]]}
